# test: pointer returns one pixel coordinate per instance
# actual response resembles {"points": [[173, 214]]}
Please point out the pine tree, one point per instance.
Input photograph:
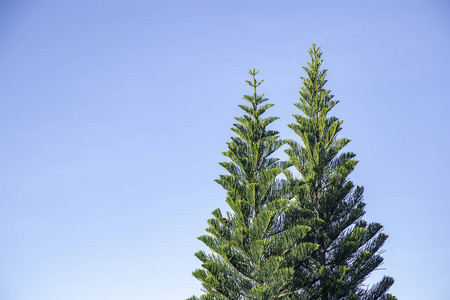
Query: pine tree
{"points": [[349, 247], [253, 255]]}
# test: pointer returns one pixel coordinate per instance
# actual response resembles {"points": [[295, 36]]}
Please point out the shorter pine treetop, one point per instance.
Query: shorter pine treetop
{"points": [[254, 255]]}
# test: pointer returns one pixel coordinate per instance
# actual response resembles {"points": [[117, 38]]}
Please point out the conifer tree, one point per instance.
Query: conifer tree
{"points": [[349, 247], [253, 254]]}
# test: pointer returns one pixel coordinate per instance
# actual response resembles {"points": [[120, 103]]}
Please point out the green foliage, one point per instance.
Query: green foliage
{"points": [[253, 255], [294, 238], [349, 248]]}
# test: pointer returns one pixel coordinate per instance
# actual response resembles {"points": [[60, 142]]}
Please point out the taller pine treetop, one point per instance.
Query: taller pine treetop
{"points": [[348, 246], [254, 255]]}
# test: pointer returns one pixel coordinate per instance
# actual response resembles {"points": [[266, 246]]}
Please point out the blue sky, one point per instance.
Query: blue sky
{"points": [[114, 115]]}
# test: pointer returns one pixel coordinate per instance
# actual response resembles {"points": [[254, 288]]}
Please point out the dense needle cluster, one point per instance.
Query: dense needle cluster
{"points": [[286, 236], [348, 246]]}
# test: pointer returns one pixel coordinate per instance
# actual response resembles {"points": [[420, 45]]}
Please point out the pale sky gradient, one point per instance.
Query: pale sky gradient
{"points": [[114, 115]]}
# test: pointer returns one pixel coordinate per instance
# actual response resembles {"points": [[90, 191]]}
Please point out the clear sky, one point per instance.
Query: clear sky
{"points": [[114, 115]]}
